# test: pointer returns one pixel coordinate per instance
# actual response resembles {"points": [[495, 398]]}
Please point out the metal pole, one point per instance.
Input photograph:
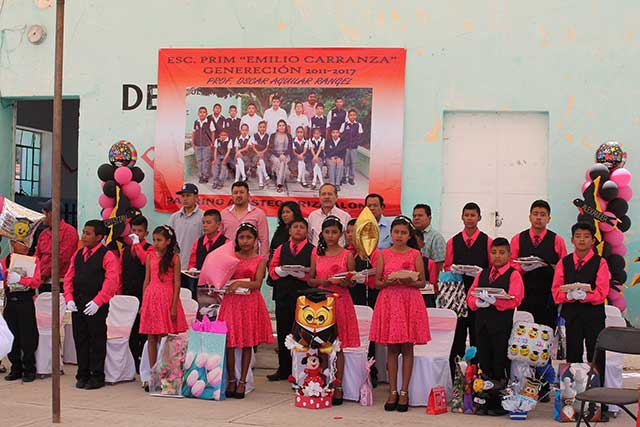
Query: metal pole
{"points": [[56, 166]]}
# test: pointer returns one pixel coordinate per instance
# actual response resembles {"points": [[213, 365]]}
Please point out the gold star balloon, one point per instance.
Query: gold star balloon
{"points": [[366, 233]]}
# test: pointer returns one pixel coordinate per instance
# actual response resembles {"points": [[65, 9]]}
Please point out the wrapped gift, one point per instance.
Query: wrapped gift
{"points": [[530, 343], [452, 294], [166, 374], [437, 403]]}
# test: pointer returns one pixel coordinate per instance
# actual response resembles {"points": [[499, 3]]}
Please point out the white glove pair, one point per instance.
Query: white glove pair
{"points": [[530, 267], [134, 238], [297, 274], [90, 309], [485, 300], [576, 294], [360, 279], [13, 278]]}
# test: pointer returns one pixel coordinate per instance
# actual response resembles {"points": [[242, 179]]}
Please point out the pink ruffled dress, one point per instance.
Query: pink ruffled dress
{"points": [[247, 318], [400, 315], [346, 320]]}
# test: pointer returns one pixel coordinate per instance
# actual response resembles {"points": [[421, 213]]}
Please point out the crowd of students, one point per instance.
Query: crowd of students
{"points": [[302, 142], [324, 243]]}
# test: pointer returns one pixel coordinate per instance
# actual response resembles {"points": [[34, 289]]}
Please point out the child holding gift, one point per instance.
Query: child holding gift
{"points": [[212, 239], [328, 260], [494, 317], [20, 314], [161, 313], [247, 317], [400, 317]]}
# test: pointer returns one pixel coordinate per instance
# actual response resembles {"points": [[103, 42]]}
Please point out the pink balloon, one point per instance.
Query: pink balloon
{"points": [[619, 249], [123, 175], [587, 177], [127, 230], [106, 213], [139, 202], [585, 186], [603, 205], [605, 226], [614, 237], [106, 202], [131, 190], [617, 299], [621, 176], [625, 193]]}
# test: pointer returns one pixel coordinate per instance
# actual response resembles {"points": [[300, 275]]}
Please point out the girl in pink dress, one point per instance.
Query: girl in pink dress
{"points": [[328, 260], [400, 317], [161, 311], [246, 315]]}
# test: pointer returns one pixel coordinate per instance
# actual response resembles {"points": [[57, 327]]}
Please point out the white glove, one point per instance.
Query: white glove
{"points": [[13, 278], [71, 306], [571, 295], [487, 298], [482, 303], [91, 308], [193, 269], [134, 238], [579, 294], [297, 274], [530, 267], [360, 279], [280, 272]]}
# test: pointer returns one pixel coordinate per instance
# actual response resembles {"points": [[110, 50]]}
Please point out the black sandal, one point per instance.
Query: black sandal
{"points": [[229, 392], [403, 407], [391, 406], [337, 401], [237, 394]]}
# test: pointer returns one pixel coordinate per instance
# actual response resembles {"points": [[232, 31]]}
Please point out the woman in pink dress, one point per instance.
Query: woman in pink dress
{"points": [[246, 315], [400, 316], [327, 260], [161, 312]]}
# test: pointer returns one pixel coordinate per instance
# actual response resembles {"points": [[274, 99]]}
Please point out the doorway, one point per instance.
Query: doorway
{"points": [[499, 161]]}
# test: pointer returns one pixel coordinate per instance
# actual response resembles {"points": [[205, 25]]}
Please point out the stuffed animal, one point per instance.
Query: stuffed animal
{"points": [[313, 370], [315, 326]]}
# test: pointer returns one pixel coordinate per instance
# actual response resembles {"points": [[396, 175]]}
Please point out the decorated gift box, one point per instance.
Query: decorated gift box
{"points": [[530, 343]]}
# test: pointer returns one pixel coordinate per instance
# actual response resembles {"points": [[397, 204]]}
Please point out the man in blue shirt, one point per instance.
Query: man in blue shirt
{"points": [[434, 244], [375, 203]]}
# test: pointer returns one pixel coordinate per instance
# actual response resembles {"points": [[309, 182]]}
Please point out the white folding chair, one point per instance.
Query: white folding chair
{"points": [[119, 364], [355, 359], [522, 316], [190, 307], [69, 345], [185, 294], [43, 320], [431, 360], [614, 361]]}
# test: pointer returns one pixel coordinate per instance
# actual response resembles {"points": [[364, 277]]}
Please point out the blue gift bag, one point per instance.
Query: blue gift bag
{"points": [[205, 372]]}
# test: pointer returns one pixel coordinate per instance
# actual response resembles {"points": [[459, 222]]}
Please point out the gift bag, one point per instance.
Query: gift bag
{"points": [[204, 366], [574, 378], [530, 343], [437, 401], [452, 294], [166, 374], [459, 383]]}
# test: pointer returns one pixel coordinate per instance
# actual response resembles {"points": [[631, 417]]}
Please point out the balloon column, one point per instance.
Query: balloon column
{"points": [[606, 193], [122, 196]]}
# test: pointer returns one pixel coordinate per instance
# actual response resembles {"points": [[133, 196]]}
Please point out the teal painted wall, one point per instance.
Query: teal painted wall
{"points": [[577, 60]]}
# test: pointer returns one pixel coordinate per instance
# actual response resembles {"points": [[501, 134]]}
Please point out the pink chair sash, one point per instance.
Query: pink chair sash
{"points": [[364, 326], [117, 332], [44, 320], [442, 323]]}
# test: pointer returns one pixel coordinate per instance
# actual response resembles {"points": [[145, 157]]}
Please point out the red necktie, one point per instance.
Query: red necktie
{"points": [[209, 244], [86, 255], [469, 242], [494, 275], [536, 241], [295, 249], [579, 265]]}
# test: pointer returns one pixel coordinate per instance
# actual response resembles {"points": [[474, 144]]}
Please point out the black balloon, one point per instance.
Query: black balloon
{"points": [[625, 225], [599, 170], [138, 174], [109, 188], [619, 276], [615, 262], [105, 172], [609, 190], [619, 207], [606, 250]]}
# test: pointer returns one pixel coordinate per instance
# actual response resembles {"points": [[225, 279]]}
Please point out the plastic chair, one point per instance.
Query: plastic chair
{"points": [[614, 363], [522, 316], [185, 294], [355, 359], [620, 340], [431, 360], [119, 364], [43, 319], [190, 307]]}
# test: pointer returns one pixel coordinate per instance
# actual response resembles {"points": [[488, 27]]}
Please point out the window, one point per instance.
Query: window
{"points": [[28, 146]]}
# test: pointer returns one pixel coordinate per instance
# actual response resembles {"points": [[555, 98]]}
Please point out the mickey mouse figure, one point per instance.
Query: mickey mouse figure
{"points": [[313, 370]]}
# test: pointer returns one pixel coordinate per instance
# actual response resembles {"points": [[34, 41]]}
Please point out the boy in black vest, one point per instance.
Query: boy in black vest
{"points": [[202, 140], [545, 244], [132, 264], [91, 281], [223, 152], [211, 239], [469, 247], [319, 121], [20, 314], [337, 116], [216, 121], [351, 132], [494, 317], [232, 123], [286, 286], [583, 311]]}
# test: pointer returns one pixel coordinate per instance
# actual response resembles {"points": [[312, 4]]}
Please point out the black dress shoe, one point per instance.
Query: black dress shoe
{"points": [[277, 376], [81, 383], [13, 376], [94, 384], [337, 401], [403, 407], [391, 406], [29, 377], [352, 182]]}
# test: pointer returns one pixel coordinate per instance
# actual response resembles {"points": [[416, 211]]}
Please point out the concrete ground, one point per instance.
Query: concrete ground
{"points": [[271, 404]]}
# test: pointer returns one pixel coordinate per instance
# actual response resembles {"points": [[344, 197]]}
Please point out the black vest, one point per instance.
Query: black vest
{"points": [[298, 146], [89, 276], [243, 142], [133, 272], [232, 126], [315, 145], [319, 123], [537, 283], [290, 286], [351, 134], [217, 123], [222, 148], [202, 137], [490, 315], [261, 141], [587, 274], [202, 252], [337, 118], [475, 255]]}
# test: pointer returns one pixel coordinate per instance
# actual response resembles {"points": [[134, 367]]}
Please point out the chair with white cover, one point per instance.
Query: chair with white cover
{"points": [[190, 307], [43, 319], [431, 360], [522, 316], [355, 359], [185, 294], [614, 361], [119, 364], [69, 345], [249, 385]]}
